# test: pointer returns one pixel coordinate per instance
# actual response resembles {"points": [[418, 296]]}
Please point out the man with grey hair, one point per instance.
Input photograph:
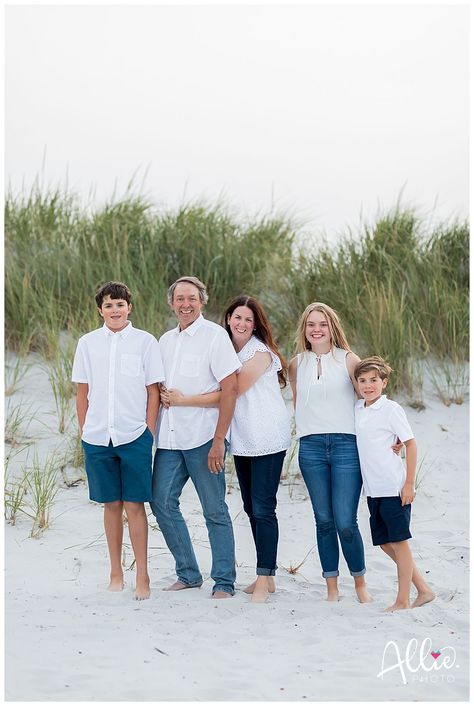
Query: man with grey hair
{"points": [[198, 357]]}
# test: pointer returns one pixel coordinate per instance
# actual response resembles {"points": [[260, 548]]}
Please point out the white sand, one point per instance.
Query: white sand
{"points": [[68, 639]]}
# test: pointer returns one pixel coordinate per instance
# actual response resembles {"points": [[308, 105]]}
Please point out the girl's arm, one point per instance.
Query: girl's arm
{"points": [[82, 403], [152, 406], [250, 372], [292, 370], [407, 493], [351, 361]]}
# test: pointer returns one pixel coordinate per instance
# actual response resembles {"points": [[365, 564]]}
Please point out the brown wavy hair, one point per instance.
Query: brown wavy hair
{"points": [[262, 329]]}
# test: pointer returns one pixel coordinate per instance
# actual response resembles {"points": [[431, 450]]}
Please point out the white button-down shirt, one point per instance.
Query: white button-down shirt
{"points": [[117, 367], [377, 427], [195, 361]]}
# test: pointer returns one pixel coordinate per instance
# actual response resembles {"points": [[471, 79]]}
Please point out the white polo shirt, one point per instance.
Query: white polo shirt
{"points": [[377, 428], [195, 361], [117, 367]]}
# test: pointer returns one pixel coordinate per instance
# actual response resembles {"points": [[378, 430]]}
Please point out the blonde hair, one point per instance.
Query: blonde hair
{"points": [[375, 362], [336, 332]]}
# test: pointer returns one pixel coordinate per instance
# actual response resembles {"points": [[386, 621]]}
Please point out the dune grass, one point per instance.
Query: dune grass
{"points": [[401, 291]]}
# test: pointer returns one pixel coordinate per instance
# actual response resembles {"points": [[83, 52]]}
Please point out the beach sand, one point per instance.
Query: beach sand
{"points": [[68, 639]]}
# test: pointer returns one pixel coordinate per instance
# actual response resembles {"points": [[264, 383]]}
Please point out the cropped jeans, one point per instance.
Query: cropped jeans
{"points": [[171, 471], [259, 477], [330, 467]]}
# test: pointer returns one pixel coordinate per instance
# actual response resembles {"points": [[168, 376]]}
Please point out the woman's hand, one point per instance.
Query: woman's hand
{"points": [[171, 398]]}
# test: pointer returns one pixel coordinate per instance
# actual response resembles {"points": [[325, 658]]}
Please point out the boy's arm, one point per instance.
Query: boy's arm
{"points": [[407, 493], [82, 403], [152, 406], [229, 390]]}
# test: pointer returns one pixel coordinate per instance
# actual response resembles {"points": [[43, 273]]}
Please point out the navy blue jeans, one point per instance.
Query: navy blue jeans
{"points": [[259, 477], [330, 467]]}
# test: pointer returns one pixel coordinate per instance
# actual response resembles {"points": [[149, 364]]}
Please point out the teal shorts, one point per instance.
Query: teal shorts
{"points": [[120, 472]]}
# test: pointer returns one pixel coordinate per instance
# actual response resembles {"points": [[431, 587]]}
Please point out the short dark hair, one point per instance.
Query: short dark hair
{"points": [[114, 290], [376, 363]]}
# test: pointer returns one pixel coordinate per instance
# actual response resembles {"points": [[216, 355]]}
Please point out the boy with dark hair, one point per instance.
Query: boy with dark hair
{"points": [[117, 369], [390, 489]]}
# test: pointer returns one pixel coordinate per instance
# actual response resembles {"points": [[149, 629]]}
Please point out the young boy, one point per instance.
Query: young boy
{"points": [[117, 369], [390, 489]]}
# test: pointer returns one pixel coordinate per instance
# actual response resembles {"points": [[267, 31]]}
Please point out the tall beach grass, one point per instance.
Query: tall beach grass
{"points": [[400, 289]]}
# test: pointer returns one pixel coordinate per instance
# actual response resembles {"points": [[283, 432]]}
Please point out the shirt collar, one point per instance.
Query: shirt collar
{"points": [[376, 405], [123, 333], [195, 326]]}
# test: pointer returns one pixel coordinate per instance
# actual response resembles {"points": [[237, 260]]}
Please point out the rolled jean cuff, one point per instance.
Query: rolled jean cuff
{"points": [[261, 571], [358, 573], [226, 589], [330, 574], [189, 584]]}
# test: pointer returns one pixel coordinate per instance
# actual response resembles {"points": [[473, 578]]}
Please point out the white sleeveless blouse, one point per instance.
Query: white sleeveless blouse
{"points": [[261, 422], [324, 406]]}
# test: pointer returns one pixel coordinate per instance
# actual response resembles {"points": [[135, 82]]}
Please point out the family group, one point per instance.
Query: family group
{"points": [[204, 390]]}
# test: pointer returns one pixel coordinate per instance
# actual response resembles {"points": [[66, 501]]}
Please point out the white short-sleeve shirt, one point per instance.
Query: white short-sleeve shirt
{"points": [[261, 423], [195, 360], [377, 428], [117, 366]]}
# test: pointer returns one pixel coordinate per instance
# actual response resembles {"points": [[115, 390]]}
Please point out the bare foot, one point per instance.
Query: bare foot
{"points": [[397, 606], [422, 598], [333, 595], [270, 584], [142, 590], [221, 594], [363, 595], [260, 594], [178, 586], [116, 583]]}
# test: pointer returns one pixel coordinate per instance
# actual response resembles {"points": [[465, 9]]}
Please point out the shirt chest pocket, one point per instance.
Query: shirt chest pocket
{"points": [[189, 365], [130, 365]]}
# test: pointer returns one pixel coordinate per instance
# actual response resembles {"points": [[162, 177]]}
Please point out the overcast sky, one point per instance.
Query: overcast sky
{"points": [[325, 111]]}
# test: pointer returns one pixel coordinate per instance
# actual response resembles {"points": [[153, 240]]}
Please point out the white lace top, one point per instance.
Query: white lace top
{"points": [[261, 423]]}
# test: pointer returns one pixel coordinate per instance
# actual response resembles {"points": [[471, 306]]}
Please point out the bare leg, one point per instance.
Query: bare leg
{"points": [[361, 590], [270, 585], [404, 561], [138, 529], [333, 591], [425, 594], [113, 523]]}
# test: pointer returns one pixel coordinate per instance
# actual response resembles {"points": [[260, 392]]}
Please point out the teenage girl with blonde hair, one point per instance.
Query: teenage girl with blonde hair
{"points": [[322, 380]]}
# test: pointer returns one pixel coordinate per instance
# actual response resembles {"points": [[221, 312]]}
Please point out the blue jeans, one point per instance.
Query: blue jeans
{"points": [[330, 467], [171, 471], [259, 477]]}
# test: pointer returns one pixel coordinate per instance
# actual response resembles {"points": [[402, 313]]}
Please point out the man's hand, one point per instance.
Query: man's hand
{"points": [[407, 494], [215, 458]]}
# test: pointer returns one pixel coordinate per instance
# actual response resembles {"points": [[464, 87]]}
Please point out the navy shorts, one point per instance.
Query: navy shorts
{"points": [[389, 520], [120, 472]]}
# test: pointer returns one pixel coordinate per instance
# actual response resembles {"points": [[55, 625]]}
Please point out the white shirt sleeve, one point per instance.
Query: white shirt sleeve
{"points": [[153, 363], [79, 372], [223, 358], [399, 423]]}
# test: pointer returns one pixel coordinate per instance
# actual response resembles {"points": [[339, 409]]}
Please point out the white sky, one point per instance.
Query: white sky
{"points": [[325, 111]]}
